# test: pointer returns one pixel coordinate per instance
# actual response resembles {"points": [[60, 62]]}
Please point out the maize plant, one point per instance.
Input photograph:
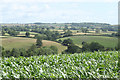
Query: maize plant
{"points": [[78, 65]]}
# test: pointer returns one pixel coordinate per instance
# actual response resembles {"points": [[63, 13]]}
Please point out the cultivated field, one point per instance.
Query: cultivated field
{"points": [[19, 42], [103, 40], [82, 65]]}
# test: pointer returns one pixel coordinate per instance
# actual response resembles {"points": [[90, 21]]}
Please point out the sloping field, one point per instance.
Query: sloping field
{"points": [[19, 42], [103, 40], [58, 45]]}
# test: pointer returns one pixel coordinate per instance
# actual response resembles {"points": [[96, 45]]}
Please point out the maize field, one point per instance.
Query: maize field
{"points": [[78, 65]]}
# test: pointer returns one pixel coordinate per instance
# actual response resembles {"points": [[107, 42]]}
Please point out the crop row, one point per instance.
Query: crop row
{"points": [[83, 65]]}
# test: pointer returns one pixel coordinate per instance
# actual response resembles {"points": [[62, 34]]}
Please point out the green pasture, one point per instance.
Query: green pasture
{"points": [[103, 40]]}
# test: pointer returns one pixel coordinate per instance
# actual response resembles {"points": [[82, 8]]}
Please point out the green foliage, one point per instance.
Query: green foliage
{"points": [[13, 33], [66, 27], [32, 51], [27, 34], [67, 42], [104, 30], [33, 47], [84, 65], [93, 46], [48, 35], [85, 46], [68, 33], [84, 30], [59, 41], [46, 51], [39, 42], [97, 30], [22, 52], [54, 48], [3, 32], [42, 36], [73, 49], [116, 34], [1, 49], [14, 52]]}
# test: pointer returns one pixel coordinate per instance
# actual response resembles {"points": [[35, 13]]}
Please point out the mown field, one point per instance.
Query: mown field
{"points": [[103, 40], [20, 42], [82, 65]]}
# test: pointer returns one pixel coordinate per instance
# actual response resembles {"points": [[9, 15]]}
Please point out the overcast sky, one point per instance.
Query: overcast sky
{"points": [[59, 11]]}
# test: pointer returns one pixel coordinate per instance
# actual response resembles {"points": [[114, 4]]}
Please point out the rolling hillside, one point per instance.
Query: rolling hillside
{"points": [[19, 42]]}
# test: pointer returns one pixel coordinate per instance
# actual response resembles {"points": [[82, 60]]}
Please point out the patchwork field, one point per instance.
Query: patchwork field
{"points": [[32, 34], [93, 33], [22, 34], [103, 40], [19, 42]]}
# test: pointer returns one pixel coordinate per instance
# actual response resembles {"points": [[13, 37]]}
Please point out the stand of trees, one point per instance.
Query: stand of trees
{"points": [[3, 32], [32, 51], [68, 33], [49, 35], [72, 48], [116, 34], [13, 33], [84, 30], [27, 34], [93, 46], [67, 42], [39, 42]]}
